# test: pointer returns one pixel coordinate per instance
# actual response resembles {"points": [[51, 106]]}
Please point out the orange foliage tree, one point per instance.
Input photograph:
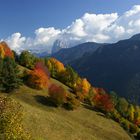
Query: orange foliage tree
{"points": [[5, 51], [39, 77]]}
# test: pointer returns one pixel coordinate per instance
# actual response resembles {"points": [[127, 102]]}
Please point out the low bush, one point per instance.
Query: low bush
{"points": [[125, 124], [138, 135], [11, 115], [115, 116], [133, 128], [72, 103], [80, 96], [57, 95]]}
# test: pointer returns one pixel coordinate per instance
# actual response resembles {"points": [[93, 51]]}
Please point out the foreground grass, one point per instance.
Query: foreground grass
{"points": [[48, 123]]}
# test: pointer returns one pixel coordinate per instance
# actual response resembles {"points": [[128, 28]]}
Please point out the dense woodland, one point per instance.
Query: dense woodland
{"points": [[37, 74]]}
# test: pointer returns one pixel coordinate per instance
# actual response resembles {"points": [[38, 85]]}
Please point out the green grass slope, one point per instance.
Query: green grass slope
{"points": [[48, 123]]}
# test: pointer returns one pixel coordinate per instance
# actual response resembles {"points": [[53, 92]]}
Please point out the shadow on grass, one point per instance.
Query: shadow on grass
{"points": [[98, 112], [88, 107], [44, 100]]}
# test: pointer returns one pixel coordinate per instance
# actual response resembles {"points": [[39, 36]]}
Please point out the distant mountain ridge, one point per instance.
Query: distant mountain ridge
{"points": [[70, 54], [114, 67]]}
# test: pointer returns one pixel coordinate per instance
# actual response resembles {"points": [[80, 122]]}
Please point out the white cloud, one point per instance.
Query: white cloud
{"points": [[135, 10], [46, 36], [16, 42], [99, 28]]}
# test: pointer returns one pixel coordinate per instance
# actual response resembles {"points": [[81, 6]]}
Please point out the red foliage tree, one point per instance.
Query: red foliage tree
{"points": [[103, 102], [57, 94]]}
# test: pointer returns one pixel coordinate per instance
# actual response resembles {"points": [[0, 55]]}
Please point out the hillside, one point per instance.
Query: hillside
{"points": [[113, 66], [50, 123], [54, 109]]}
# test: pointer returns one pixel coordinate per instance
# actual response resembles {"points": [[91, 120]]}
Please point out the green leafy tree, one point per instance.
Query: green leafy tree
{"points": [[27, 59], [114, 97], [69, 77], [122, 106]]}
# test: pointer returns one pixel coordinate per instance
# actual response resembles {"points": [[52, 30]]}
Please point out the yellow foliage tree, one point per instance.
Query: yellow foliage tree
{"points": [[54, 66]]}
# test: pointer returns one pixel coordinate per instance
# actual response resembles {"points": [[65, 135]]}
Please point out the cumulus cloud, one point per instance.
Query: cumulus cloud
{"points": [[16, 42], [46, 36], [101, 28]]}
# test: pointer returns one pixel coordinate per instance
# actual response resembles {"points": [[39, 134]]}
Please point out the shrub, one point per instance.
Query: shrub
{"points": [[11, 115], [80, 96], [125, 124], [72, 103], [57, 94], [133, 128], [116, 116], [138, 135]]}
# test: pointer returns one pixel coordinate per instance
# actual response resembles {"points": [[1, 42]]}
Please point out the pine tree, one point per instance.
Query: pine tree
{"points": [[10, 79]]}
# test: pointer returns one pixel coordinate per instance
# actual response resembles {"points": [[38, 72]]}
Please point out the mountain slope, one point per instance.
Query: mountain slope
{"points": [[70, 54], [114, 67], [49, 123]]}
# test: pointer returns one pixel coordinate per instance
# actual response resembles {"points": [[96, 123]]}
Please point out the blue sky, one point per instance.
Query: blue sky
{"points": [[25, 16], [37, 24]]}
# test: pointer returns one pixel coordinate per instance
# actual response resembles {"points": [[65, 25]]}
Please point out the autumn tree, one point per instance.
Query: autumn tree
{"points": [[99, 90], [39, 77], [103, 102], [58, 95], [5, 51], [54, 66], [83, 87], [131, 112]]}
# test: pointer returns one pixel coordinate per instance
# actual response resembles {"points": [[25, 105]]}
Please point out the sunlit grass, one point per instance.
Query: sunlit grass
{"points": [[49, 123]]}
